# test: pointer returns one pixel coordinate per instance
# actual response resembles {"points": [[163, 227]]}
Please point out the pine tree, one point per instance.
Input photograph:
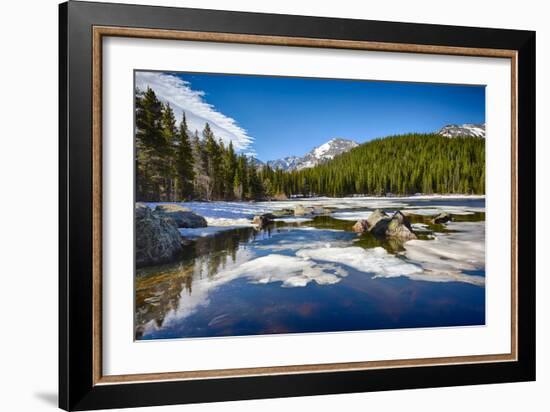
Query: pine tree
{"points": [[255, 189], [240, 181], [200, 168], [214, 168], [229, 171], [148, 136], [184, 162]]}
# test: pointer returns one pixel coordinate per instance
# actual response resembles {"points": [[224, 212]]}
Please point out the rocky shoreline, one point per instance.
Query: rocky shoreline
{"points": [[159, 241], [157, 237]]}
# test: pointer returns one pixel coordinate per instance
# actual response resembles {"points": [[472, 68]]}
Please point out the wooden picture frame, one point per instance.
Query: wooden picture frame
{"points": [[83, 26]]}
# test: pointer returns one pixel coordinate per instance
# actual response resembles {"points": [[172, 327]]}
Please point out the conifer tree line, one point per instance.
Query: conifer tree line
{"points": [[402, 165], [175, 164]]}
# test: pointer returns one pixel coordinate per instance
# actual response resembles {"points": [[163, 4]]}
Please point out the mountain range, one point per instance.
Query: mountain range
{"points": [[319, 154], [334, 147]]}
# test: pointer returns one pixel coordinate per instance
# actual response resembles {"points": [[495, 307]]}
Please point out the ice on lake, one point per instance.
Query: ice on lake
{"points": [[238, 280]]}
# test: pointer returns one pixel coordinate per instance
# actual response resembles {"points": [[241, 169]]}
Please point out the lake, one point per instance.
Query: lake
{"points": [[314, 274]]}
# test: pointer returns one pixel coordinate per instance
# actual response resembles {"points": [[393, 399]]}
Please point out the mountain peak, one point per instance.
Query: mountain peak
{"points": [[466, 129], [319, 154]]}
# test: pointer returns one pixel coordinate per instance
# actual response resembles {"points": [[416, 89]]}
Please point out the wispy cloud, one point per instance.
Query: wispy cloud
{"points": [[171, 89]]}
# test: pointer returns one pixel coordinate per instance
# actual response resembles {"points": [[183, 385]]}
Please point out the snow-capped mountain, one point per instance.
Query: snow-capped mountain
{"points": [[257, 162], [319, 154], [286, 163], [454, 130]]}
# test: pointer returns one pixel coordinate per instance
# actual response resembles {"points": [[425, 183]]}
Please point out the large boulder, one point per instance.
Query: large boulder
{"points": [[377, 222], [443, 217], [399, 227], [383, 226], [182, 216], [157, 239]]}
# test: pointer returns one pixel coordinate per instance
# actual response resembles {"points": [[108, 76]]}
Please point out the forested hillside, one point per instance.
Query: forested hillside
{"points": [[407, 164], [173, 164]]}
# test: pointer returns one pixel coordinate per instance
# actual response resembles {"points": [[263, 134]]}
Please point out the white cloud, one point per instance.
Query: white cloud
{"points": [[180, 95]]}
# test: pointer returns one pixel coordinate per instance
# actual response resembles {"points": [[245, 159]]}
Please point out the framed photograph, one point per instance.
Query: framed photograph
{"points": [[257, 205]]}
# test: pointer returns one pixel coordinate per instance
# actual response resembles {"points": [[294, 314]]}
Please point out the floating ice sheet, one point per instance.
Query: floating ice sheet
{"points": [[448, 255]]}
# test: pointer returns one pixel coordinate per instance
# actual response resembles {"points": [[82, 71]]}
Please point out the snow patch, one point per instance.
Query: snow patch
{"points": [[292, 219], [449, 254], [352, 216], [224, 221]]}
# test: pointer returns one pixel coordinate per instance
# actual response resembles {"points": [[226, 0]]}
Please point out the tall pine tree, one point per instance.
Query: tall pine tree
{"points": [[184, 162]]}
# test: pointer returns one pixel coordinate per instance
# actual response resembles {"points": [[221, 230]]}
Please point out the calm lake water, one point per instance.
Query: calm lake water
{"points": [[314, 274]]}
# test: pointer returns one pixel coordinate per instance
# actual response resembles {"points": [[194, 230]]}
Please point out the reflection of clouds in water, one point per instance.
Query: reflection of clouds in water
{"points": [[375, 261], [290, 271], [205, 279], [193, 233]]}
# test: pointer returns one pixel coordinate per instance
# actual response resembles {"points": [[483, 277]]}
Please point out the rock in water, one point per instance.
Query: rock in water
{"points": [[399, 227], [157, 238], [263, 220], [383, 226], [182, 216], [377, 222], [303, 211], [361, 226], [320, 210], [283, 212], [443, 217]]}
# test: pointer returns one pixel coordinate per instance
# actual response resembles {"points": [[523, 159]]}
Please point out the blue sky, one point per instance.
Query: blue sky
{"points": [[275, 117]]}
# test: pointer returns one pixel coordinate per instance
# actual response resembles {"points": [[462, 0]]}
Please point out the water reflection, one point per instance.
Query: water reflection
{"points": [[221, 286]]}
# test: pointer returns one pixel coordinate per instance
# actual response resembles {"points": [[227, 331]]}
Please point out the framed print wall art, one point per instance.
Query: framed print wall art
{"points": [[257, 205]]}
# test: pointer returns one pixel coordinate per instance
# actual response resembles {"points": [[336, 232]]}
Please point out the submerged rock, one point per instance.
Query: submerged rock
{"points": [[263, 220], [182, 216], [320, 210], [384, 226], [157, 238], [443, 217], [300, 210], [283, 212], [310, 210]]}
